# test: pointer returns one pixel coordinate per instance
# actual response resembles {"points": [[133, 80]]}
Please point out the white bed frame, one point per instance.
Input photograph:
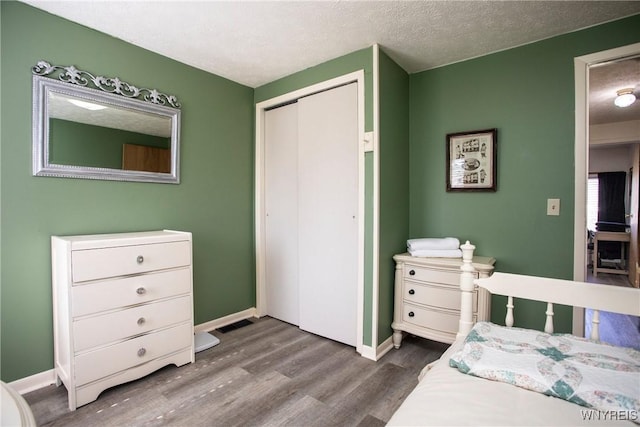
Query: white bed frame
{"points": [[445, 396], [615, 299]]}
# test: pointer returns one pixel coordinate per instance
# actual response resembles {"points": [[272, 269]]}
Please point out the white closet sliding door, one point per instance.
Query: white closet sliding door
{"points": [[281, 207], [311, 205], [328, 212]]}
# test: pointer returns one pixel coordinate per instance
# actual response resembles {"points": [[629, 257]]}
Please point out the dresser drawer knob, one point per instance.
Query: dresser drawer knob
{"points": [[141, 291], [141, 321], [411, 292], [412, 273], [140, 259], [142, 352], [411, 314]]}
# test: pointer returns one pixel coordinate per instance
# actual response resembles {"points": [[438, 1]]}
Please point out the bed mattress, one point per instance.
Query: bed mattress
{"points": [[446, 397]]}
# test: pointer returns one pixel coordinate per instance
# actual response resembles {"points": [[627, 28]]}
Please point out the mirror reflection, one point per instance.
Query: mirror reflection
{"points": [[95, 134], [81, 132]]}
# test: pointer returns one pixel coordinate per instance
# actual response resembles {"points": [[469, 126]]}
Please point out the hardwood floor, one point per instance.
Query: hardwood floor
{"points": [[268, 373]]}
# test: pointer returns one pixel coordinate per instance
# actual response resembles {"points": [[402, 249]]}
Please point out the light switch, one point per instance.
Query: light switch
{"points": [[368, 142], [553, 206]]}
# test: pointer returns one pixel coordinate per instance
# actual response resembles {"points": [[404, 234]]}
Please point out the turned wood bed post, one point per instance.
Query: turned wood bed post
{"points": [[595, 325], [508, 319], [466, 290]]}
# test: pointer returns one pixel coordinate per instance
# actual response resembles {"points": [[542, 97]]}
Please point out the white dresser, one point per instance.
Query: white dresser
{"points": [[122, 308], [427, 296]]}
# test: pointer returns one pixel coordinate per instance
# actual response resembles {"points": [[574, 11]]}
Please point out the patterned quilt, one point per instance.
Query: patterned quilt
{"points": [[589, 373]]}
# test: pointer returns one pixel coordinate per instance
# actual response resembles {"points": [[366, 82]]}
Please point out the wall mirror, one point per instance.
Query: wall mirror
{"points": [[94, 127]]}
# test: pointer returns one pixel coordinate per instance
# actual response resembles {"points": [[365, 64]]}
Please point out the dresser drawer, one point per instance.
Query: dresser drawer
{"points": [[432, 319], [92, 264], [110, 294], [446, 297], [425, 274], [99, 330], [106, 361]]}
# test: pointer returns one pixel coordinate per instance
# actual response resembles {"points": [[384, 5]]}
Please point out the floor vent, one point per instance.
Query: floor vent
{"points": [[234, 326]]}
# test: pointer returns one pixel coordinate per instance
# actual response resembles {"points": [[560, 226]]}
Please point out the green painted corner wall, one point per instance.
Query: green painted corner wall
{"points": [[214, 200], [355, 61], [394, 182], [359, 60], [527, 93]]}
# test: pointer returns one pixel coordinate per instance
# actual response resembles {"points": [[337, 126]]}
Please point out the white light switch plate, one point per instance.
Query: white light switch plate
{"points": [[553, 206], [368, 142]]}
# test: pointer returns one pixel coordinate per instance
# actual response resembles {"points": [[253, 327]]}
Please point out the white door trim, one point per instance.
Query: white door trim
{"points": [[581, 73], [358, 77], [375, 292]]}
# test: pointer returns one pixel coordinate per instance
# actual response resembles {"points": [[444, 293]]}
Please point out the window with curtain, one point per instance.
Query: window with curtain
{"points": [[611, 211], [611, 192]]}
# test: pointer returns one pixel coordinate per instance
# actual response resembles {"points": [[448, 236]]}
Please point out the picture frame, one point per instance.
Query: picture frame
{"points": [[472, 160]]}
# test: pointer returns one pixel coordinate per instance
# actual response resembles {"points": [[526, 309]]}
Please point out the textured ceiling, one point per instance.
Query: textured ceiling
{"points": [[256, 42], [604, 81], [110, 116]]}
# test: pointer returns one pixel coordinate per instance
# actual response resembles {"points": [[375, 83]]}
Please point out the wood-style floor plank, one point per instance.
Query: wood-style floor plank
{"points": [[269, 373]]}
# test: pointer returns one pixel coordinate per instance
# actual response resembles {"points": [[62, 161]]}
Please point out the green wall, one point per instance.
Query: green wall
{"points": [[394, 182], [359, 60], [214, 200], [527, 93]]}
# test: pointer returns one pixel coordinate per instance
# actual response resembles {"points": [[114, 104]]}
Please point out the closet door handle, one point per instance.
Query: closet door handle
{"points": [[411, 314], [412, 273], [411, 292]]}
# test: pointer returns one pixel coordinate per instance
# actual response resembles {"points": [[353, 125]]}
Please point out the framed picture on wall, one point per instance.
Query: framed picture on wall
{"points": [[471, 160]]}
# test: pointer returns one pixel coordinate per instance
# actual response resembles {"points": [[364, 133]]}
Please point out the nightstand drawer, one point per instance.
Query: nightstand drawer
{"points": [[98, 364], [412, 272], [92, 264], [100, 330], [110, 294], [441, 321], [445, 297]]}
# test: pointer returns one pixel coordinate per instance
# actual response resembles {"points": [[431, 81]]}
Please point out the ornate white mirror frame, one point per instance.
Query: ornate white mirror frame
{"points": [[146, 122]]}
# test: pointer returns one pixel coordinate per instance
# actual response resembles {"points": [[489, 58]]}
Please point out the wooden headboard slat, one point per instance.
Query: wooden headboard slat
{"points": [[616, 299]]}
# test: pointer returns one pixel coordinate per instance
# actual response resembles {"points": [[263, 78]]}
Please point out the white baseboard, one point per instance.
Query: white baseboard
{"points": [[368, 352], [46, 378], [226, 320], [384, 348], [34, 382], [376, 354]]}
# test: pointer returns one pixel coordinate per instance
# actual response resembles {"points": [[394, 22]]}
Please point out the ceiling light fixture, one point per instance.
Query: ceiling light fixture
{"points": [[625, 97]]}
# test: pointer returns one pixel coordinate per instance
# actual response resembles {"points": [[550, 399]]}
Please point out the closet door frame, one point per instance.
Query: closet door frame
{"points": [[355, 77]]}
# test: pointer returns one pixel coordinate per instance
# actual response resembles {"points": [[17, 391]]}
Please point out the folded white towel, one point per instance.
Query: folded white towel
{"points": [[433, 243], [437, 253]]}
